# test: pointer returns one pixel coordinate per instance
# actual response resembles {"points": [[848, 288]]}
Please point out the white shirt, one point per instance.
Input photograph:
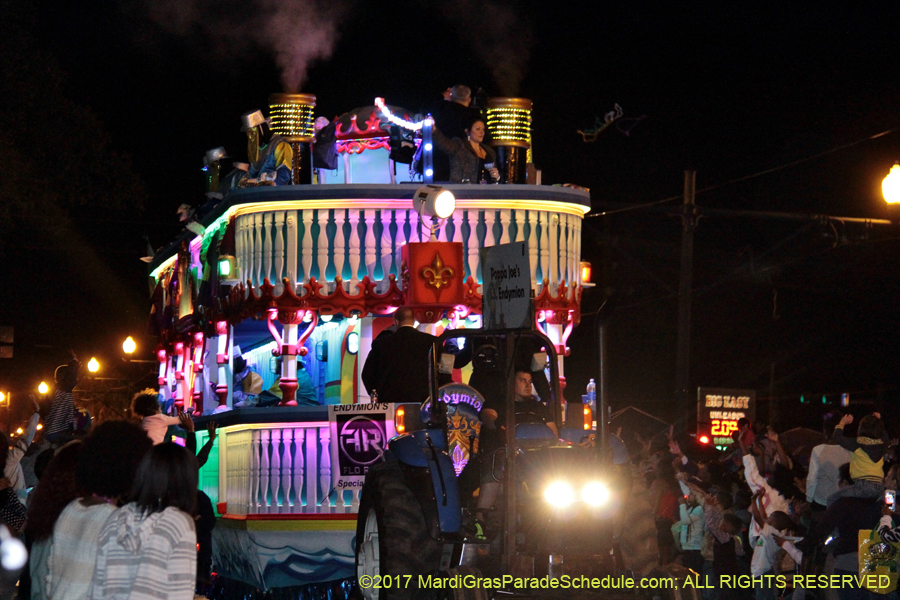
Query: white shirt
{"points": [[824, 466]]}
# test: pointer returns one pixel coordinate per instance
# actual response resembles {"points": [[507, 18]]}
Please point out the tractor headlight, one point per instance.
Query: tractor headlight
{"points": [[559, 494], [595, 494]]}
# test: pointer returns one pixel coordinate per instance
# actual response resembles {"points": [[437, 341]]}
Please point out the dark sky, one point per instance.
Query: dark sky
{"points": [[139, 91]]}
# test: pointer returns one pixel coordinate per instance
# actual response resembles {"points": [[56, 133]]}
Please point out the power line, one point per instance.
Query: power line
{"points": [[755, 175]]}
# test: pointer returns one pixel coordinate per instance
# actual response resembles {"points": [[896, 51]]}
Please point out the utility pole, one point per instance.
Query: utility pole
{"points": [[689, 217]]}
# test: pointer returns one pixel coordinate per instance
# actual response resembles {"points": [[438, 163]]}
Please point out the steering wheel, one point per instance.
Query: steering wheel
{"points": [[533, 417]]}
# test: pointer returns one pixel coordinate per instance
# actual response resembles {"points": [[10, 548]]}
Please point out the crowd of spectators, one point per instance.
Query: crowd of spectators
{"points": [[115, 513], [762, 511]]}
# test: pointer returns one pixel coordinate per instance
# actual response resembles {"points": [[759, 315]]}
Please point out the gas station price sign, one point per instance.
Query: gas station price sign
{"points": [[718, 412]]}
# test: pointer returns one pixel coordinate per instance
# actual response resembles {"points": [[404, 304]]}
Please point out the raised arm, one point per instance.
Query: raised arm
{"points": [[811, 476], [839, 438]]}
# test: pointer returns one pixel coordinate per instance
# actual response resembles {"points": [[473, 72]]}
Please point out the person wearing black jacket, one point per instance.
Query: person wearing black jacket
{"points": [[397, 365]]}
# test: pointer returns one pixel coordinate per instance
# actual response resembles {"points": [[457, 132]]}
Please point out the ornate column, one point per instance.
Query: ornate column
{"points": [[198, 381], [222, 358], [162, 379], [179, 375], [289, 320]]}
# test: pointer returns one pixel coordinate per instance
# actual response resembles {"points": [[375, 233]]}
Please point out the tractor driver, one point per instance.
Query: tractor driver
{"points": [[529, 409]]}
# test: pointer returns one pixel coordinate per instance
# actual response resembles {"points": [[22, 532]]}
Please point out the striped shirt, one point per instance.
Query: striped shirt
{"points": [[146, 557], [62, 414], [74, 548]]}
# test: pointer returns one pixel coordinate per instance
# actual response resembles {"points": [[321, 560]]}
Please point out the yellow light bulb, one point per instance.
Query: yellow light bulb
{"points": [[128, 345], [890, 187], [43, 387], [93, 365]]}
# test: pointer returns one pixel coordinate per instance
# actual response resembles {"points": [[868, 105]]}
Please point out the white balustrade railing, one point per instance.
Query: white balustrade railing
{"points": [[280, 469], [353, 243]]}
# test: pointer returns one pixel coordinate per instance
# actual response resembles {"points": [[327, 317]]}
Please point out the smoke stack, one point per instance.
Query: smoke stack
{"points": [[509, 123], [292, 118]]}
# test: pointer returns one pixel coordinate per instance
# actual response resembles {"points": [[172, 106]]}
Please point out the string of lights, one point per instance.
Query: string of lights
{"points": [[379, 103]]}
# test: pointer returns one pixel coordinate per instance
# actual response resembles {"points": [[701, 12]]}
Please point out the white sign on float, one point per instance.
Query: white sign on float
{"points": [[359, 437], [506, 275]]}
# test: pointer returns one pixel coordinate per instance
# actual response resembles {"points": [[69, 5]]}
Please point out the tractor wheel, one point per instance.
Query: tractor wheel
{"points": [[392, 537], [464, 592]]}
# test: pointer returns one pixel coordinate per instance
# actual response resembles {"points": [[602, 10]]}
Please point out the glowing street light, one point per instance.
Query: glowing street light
{"points": [[43, 387], [93, 365], [128, 345], [890, 187], [19, 431], [2, 397]]}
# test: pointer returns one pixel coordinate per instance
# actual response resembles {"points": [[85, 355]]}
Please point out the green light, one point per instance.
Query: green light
{"points": [[802, 400], [824, 401], [225, 267]]}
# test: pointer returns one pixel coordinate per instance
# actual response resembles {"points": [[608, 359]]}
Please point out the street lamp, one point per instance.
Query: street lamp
{"points": [[890, 187], [43, 388], [128, 345], [93, 365]]}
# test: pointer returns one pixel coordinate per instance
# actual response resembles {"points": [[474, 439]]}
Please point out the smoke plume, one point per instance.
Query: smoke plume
{"points": [[500, 37], [297, 33]]}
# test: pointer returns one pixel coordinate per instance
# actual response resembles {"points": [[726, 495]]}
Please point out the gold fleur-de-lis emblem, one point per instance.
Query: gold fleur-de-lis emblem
{"points": [[437, 275]]}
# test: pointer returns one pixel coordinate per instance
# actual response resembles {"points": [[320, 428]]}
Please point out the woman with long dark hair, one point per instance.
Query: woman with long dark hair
{"points": [[106, 469], [148, 548], [55, 490]]}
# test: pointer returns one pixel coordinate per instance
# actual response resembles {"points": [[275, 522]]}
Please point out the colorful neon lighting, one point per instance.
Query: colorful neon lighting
{"points": [[379, 103]]}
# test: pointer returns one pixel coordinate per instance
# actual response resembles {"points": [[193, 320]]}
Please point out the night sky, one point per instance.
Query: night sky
{"points": [[108, 107]]}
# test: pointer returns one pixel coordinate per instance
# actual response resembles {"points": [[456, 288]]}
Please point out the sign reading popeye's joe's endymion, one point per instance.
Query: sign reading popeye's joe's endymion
{"points": [[507, 301]]}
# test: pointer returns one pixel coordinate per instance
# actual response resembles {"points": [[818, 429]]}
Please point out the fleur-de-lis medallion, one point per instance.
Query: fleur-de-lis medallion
{"points": [[437, 275]]}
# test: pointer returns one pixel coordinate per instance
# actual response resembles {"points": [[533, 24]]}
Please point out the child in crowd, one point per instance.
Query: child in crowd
{"points": [[772, 537], [867, 460], [691, 529], [146, 404]]}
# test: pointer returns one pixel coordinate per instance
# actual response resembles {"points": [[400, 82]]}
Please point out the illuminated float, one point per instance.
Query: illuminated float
{"points": [[311, 272]]}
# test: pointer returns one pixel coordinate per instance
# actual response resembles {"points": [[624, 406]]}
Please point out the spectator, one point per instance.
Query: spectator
{"points": [[691, 528], [159, 522], [664, 496], [867, 458], [105, 473], [769, 498], [848, 515], [724, 528], [12, 467], [146, 404], [12, 512], [55, 490], [206, 516], [62, 411], [824, 464], [775, 527]]}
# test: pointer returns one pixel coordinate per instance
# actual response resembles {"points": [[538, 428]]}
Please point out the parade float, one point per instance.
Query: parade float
{"points": [[304, 276]]}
